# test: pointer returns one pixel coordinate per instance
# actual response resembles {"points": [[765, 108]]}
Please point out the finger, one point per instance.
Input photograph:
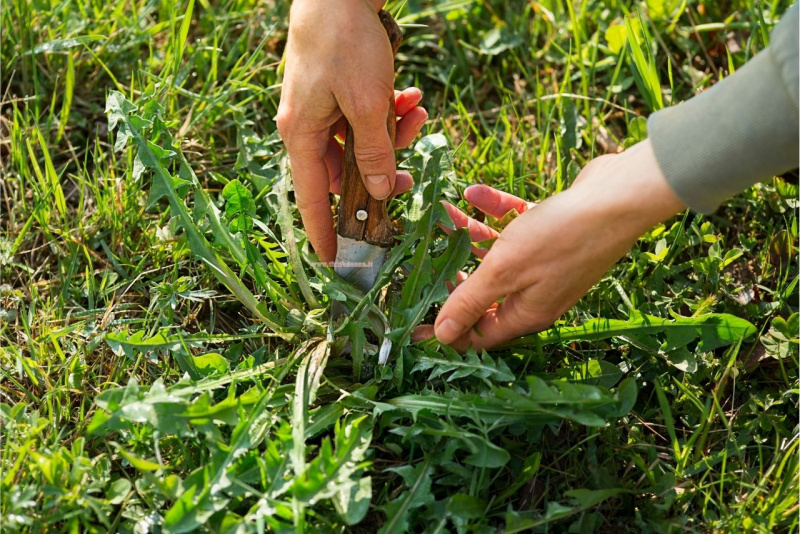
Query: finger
{"points": [[493, 202], [516, 316], [409, 126], [422, 332], [334, 157], [406, 100], [470, 300], [477, 230], [460, 277], [503, 323], [311, 185], [373, 149], [403, 183]]}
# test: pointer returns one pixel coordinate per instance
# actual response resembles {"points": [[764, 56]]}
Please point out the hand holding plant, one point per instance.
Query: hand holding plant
{"points": [[549, 256]]}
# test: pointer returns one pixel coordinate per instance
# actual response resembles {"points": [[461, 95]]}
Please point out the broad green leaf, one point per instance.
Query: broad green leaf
{"points": [[498, 40], [541, 404], [597, 373], [210, 363], [682, 359], [431, 143], [665, 9], [789, 328], [616, 37], [637, 131], [133, 343], [418, 493], [139, 463], [488, 455], [202, 498], [352, 501], [588, 498], [239, 206], [466, 507], [336, 472], [450, 361], [315, 355], [463, 509], [118, 491]]}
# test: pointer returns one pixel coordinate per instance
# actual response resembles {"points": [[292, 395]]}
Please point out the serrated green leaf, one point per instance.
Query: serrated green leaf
{"points": [[446, 267], [174, 189]]}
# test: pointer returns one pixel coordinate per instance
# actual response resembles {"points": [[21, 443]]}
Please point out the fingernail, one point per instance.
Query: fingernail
{"points": [[380, 186], [448, 331]]}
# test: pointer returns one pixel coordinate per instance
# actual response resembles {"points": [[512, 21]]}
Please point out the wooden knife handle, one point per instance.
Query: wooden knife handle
{"points": [[377, 227]]}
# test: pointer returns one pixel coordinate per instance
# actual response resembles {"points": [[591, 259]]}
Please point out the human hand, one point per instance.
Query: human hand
{"points": [[548, 257], [339, 67]]}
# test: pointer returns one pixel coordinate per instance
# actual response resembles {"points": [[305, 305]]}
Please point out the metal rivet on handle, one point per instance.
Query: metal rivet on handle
{"points": [[361, 215]]}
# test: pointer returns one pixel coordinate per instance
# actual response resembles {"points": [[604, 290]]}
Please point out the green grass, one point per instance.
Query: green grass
{"points": [[167, 359]]}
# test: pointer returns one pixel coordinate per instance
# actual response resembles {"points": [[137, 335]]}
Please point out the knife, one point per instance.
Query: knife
{"points": [[365, 232]]}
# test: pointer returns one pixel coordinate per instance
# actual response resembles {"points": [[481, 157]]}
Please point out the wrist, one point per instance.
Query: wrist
{"points": [[632, 191], [376, 5]]}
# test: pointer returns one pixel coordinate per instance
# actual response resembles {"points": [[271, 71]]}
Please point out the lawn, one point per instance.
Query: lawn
{"points": [[168, 360]]}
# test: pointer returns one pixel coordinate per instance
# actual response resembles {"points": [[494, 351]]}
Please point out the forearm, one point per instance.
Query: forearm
{"points": [[741, 131]]}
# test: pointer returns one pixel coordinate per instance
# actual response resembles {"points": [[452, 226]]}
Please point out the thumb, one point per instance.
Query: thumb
{"points": [[469, 301], [374, 150]]}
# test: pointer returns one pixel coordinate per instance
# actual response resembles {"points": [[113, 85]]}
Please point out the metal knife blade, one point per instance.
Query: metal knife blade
{"points": [[359, 262]]}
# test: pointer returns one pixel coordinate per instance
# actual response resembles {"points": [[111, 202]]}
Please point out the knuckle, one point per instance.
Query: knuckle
{"points": [[284, 121], [305, 204], [373, 105], [371, 153], [328, 236], [499, 266], [471, 305]]}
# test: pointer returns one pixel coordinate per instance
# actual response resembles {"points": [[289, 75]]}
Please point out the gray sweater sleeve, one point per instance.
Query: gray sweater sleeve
{"points": [[741, 131]]}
